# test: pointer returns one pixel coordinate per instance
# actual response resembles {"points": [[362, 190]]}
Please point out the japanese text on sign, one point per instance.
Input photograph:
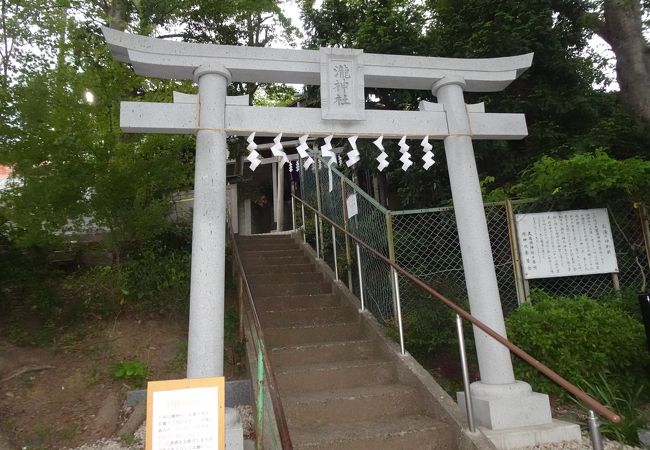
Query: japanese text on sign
{"points": [[566, 243], [341, 78], [182, 417], [342, 84]]}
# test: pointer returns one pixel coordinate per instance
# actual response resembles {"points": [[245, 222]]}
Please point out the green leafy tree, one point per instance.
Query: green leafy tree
{"points": [[624, 25], [72, 163], [587, 179]]}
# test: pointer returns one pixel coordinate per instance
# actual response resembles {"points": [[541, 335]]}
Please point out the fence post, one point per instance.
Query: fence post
{"points": [[348, 257], [594, 431], [304, 227], [645, 227], [400, 326], [260, 397], [520, 282], [336, 265], [616, 283], [319, 229], [391, 255], [240, 295], [363, 305], [317, 239], [293, 210]]}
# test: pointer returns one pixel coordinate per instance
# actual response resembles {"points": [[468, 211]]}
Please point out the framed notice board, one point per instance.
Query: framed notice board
{"points": [[566, 243], [186, 414]]}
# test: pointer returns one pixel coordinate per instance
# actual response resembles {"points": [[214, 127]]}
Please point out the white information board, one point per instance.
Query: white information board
{"points": [[185, 414], [351, 203], [566, 243]]}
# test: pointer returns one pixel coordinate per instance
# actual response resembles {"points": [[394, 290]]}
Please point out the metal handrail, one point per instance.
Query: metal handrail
{"points": [[555, 377], [281, 420]]}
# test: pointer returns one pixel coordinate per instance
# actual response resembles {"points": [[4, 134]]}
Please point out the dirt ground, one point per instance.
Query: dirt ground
{"points": [[50, 397]]}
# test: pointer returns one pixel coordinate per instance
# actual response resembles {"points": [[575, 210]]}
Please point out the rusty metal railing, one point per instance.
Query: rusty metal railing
{"points": [[264, 369], [592, 404]]}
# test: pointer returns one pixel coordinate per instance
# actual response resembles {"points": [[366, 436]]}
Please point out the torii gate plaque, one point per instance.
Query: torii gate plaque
{"points": [[499, 400]]}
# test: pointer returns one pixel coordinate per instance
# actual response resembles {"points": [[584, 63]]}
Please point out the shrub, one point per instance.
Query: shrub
{"points": [[627, 404], [429, 325], [154, 274], [580, 339], [131, 371]]}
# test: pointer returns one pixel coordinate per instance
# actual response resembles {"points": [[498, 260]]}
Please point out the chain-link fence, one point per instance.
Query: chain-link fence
{"points": [[425, 242], [326, 188]]}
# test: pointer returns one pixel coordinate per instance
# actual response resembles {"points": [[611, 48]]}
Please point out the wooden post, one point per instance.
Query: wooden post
{"points": [[523, 296]]}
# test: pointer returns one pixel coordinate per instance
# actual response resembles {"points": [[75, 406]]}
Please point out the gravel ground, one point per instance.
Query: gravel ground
{"points": [[585, 444], [117, 444], [245, 412]]}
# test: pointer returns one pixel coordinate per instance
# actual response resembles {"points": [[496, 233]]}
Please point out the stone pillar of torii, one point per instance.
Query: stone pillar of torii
{"points": [[499, 400]]}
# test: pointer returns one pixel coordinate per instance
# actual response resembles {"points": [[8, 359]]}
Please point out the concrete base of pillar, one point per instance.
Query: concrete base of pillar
{"points": [[506, 406], [516, 438], [234, 430]]}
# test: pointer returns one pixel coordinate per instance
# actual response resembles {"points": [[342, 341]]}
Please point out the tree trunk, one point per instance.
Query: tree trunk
{"points": [[623, 30], [117, 14]]}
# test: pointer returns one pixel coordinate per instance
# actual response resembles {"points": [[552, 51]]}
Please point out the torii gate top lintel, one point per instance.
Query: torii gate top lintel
{"points": [[178, 60]]}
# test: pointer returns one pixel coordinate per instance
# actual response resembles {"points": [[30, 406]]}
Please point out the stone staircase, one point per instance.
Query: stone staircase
{"points": [[339, 386]]}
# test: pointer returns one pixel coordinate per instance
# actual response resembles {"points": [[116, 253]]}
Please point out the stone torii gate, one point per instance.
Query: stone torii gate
{"points": [[499, 400]]}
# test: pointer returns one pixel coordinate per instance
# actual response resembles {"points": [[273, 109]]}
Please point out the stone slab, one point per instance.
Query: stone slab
{"points": [[515, 438], [238, 392], [178, 60], [241, 120], [530, 409], [234, 430]]}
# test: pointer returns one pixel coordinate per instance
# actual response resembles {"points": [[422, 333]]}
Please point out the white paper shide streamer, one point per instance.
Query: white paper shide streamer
{"points": [[278, 150], [326, 151], [353, 155], [406, 156], [253, 155], [382, 159], [428, 155], [302, 151]]}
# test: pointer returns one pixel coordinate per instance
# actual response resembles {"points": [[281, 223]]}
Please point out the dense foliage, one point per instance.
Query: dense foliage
{"points": [[581, 339], [587, 179]]}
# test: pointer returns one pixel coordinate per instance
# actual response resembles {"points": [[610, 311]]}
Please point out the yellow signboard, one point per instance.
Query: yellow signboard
{"points": [[186, 414]]}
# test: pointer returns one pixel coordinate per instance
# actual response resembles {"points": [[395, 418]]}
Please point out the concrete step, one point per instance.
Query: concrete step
{"points": [[297, 301], [306, 316], [292, 288], [340, 406], [279, 269], [334, 375], [275, 261], [262, 279], [324, 352], [267, 244], [405, 432], [265, 237], [250, 255], [310, 334]]}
